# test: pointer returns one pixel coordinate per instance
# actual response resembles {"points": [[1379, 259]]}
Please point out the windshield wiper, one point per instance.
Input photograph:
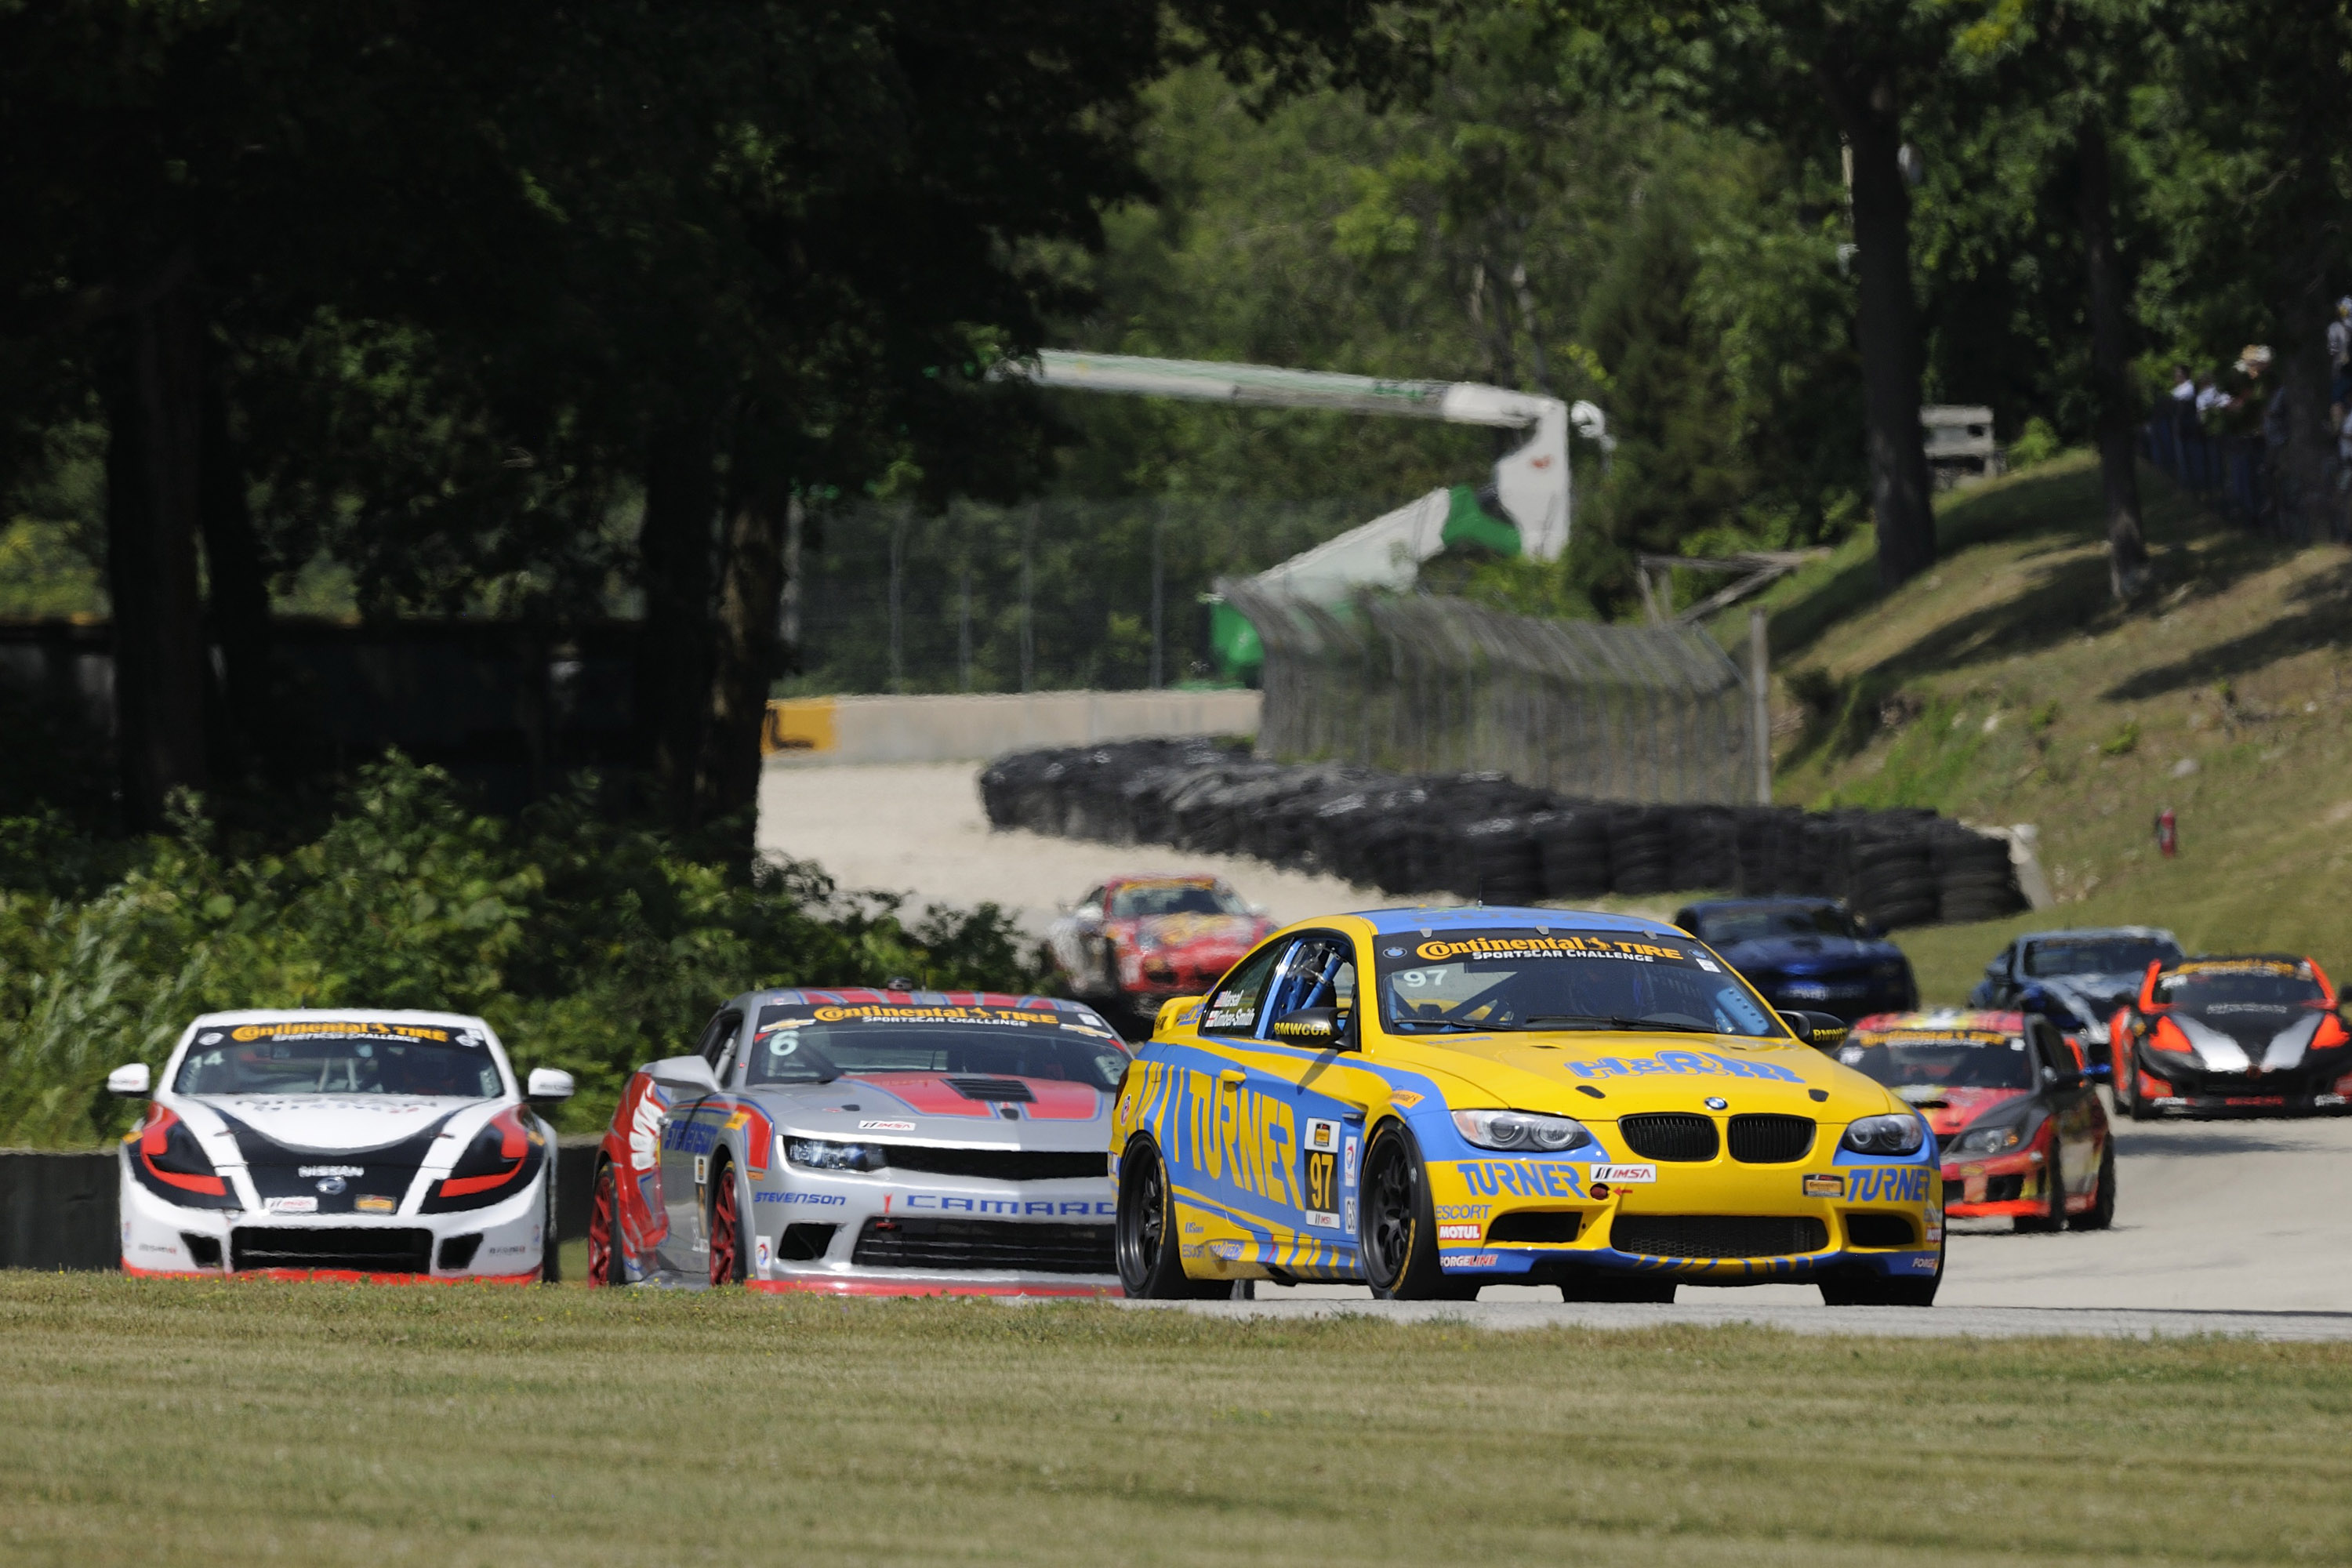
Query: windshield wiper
{"points": [[1444, 1023], [1533, 1019]]}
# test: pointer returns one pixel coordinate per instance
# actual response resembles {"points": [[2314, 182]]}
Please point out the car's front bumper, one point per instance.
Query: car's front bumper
{"points": [[502, 1244], [2173, 1088], [910, 1234]]}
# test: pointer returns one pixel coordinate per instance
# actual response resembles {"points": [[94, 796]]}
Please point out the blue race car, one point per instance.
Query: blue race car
{"points": [[1805, 953], [2078, 979]]}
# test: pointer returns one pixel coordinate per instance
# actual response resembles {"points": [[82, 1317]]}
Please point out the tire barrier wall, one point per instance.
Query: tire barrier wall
{"points": [[58, 1208], [1420, 684], [1486, 838]]}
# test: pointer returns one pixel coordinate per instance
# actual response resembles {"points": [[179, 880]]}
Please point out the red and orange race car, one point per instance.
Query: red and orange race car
{"points": [[2020, 1129], [1133, 941], [2253, 1034]]}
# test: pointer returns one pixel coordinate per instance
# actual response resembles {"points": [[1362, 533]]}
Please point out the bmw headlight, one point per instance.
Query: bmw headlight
{"points": [[822, 1155], [1987, 1141], [1884, 1136], [1526, 1132]]}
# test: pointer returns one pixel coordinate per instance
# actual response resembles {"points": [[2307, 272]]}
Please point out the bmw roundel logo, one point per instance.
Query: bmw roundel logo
{"points": [[331, 1186], [1717, 1102], [1396, 952]]}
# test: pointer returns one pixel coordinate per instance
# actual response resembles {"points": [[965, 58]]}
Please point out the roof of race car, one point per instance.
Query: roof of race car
{"points": [[1390, 922], [1959, 1020], [2078, 933], [356, 1015], [859, 995]]}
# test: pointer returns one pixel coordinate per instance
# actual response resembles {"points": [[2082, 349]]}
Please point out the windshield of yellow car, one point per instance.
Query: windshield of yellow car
{"points": [[1561, 978]]}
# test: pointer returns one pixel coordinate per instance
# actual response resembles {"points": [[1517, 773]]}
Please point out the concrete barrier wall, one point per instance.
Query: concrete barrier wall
{"points": [[58, 1210], [819, 730]]}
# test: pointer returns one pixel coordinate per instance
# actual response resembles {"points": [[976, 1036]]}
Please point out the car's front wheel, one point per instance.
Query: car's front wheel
{"points": [[604, 1265], [2102, 1212], [1150, 1258], [2053, 1216], [1866, 1289], [550, 1257], [1397, 1224], [728, 1248]]}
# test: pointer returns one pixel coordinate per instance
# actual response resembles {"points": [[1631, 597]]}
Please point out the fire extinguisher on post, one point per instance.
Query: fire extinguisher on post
{"points": [[2167, 834]]}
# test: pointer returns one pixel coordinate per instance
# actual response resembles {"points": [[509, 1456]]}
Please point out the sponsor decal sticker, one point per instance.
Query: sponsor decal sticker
{"points": [[1462, 1211], [1825, 1187], [1887, 1183], [1322, 1219], [1026, 1208], [1469, 1259], [1522, 1178], [1349, 1163], [1458, 1232], [331, 1185], [308, 1170], [371, 1205], [1406, 1098], [291, 1206], [1324, 1135], [819, 1199], [1625, 1175], [763, 1252], [886, 1127]]}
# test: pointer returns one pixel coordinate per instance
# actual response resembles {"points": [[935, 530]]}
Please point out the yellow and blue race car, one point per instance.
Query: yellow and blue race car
{"points": [[1432, 1101]]}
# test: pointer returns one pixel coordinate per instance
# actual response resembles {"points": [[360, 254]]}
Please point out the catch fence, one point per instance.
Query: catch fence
{"points": [[1418, 684]]}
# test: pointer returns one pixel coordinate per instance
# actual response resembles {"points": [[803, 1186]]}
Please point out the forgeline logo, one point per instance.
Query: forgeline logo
{"points": [[940, 1014], [1486, 947], [313, 1026]]}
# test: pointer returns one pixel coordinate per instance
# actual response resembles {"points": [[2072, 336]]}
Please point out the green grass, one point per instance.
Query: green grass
{"points": [[2002, 687], [154, 1421]]}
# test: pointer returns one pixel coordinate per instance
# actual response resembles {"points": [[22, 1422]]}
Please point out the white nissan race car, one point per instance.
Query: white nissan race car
{"points": [[349, 1145]]}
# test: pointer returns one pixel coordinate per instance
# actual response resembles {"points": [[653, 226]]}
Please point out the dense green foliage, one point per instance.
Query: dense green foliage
{"points": [[588, 947]]}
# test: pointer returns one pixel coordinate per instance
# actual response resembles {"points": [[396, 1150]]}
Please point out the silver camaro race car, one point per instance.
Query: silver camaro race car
{"points": [[872, 1142], [351, 1145]]}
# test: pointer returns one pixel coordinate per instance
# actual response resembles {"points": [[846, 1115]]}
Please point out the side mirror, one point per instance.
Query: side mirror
{"points": [[1996, 970], [1820, 1030], [691, 1074], [1258, 910], [1315, 1027], [550, 1084], [132, 1081], [1165, 1019]]}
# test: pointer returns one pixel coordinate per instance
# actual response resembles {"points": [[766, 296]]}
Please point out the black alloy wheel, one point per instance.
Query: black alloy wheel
{"points": [[1150, 1260], [727, 1246], [604, 1265], [2053, 1215], [1397, 1224], [2123, 1075], [2101, 1214]]}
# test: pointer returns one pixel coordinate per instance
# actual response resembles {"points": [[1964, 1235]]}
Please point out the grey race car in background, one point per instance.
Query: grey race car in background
{"points": [[871, 1142], [2078, 979]]}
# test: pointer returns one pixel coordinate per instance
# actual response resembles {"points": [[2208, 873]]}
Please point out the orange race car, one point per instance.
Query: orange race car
{"points": [[2252, 1035], [2020, 1129]]}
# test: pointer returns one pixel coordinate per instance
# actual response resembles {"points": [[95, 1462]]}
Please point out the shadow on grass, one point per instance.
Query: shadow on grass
{"points": [[2327, 601]]}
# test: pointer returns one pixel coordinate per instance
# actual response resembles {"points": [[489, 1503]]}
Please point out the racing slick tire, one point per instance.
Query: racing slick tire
{"points": [[550, 1255], [1397, 1237], [1860, 1289], [2123, 1082], [2102, 1212], [730, 1247], [604, 1265], [1150, 1260], [2053, 1217]]}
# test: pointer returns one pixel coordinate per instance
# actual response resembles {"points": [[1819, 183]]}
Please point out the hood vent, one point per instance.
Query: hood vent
{"points": [[996, 1088]]}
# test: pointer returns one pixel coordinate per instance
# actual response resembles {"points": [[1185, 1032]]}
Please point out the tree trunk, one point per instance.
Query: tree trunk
{"points": [[2117, 409], [1887, 328], [727, 784], [672, 668], [153, 467], [238, 584], [2306, 460]]}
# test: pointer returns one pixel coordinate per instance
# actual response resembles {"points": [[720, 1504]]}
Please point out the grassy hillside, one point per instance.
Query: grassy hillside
{"points": [[2003, 688]]}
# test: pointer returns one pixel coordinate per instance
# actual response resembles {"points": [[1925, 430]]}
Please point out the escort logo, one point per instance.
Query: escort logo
{"points": [[374, 1205], [1321, 1220], [886, 1127], [1681, 1063], [1462, 1211], [1520, 1178], [1825, 1187], [1323, 1135], [1887, 1183], [1041, 1208], [1458, 1232], [1624, 1175], [817, 1198], [291, 1206]]}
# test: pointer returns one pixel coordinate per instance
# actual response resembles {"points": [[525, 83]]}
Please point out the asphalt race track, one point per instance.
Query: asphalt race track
{"points": [[2221, 1226]]}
